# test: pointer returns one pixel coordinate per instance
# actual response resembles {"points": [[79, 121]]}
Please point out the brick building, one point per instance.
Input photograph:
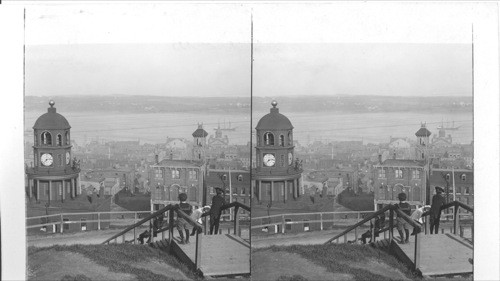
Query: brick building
{"points": [[238, 181], [169, 178], [394, 176], [463, 180]]}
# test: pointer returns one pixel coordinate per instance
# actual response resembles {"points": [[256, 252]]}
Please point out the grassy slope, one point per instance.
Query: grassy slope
{"points": [[338, 258], [117, 258]]}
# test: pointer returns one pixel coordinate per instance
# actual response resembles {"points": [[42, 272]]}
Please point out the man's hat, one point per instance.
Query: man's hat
{"points": [[218, 189], [402, 196], [439, 189], [183, 197]]}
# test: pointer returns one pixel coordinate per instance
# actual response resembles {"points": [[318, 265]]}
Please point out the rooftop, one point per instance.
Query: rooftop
{"points": [[178, 163], [402, 162], [274, 120], [51, 120]]}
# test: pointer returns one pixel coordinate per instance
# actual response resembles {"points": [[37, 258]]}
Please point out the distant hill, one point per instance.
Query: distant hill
{"points": [[367, 103], [139, 104], [338, 103]]}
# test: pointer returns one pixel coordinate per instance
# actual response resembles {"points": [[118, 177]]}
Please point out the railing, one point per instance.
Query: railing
{"points": [[174, 209], [321, 219], [417, 227], [102, 217], [171, 209], [368, 218], [456, 205], [236, 218]]}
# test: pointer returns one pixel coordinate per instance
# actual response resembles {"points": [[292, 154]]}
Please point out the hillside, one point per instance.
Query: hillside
{"points": [[330, 262], [104, 262]]}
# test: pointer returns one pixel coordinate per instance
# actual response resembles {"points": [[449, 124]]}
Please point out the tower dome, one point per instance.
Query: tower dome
{"points": [[423, 132], [51, 120], [274, 120]]}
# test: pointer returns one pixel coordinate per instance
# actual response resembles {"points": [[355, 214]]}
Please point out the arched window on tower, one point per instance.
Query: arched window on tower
{"points": [[282, 140], [290, 139], [59, 140], [268, 138], [46, 138], [66, 137]]}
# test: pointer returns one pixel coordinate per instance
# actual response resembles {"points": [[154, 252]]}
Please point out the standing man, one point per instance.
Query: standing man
{"points": [[215, 210], [435, 214]]}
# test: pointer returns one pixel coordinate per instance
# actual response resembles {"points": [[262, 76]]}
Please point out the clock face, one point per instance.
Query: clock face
{"points": [[68, 157], [46, 159], [269, 160], [290, 158]]}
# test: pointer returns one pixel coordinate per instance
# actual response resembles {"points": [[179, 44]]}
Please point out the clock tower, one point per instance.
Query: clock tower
{"points": [[199, 143], [54, 174], [277, 173]]}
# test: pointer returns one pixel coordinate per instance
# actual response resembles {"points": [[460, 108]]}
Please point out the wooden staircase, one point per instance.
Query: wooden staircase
{"points": [[208, 255], [441, 254], [222, 255], [430, 255]]}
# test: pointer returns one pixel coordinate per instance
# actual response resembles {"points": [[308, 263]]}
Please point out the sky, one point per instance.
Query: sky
{"points": [[204, 49]]}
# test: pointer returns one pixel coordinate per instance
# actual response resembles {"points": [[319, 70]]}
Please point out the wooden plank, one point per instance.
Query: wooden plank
{"points": [[441, 254]]}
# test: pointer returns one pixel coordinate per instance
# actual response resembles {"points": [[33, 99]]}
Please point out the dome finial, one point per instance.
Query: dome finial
{"points": [[274, 103], [51, 103]]}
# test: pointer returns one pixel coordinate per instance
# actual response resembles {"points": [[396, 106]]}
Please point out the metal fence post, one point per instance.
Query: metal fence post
{"points": [[321, 221], [283, 224], [391, 225], [98, 221], [62, 223]]}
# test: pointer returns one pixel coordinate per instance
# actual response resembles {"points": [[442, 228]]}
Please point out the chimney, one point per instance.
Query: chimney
{"points": [[394, 155], [156, 159], [380, 158], [171, 156]]}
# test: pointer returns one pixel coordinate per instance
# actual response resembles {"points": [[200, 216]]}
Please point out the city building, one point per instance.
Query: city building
{"points": [[409, 176], [458, 184], [441, 140], [168, 178], [200, 143], [235, 183], [54, 175], [423, 144], [53, 182], [394, 176], [218, 142], [277, 173]]}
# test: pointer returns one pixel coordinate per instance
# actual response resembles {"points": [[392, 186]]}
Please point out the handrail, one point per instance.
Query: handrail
{"points": [[453, 204], [316, 213], [235, 204], [153, 215], [417, 227], [363, 221], [230, 205], [407, 218], [457, 204], [156, 214], [188, 219]]}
